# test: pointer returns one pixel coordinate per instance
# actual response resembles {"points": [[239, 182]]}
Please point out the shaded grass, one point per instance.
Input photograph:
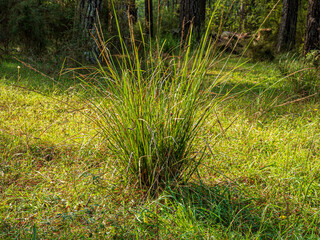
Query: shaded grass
{"points": [[30, 79], [260, 181]]}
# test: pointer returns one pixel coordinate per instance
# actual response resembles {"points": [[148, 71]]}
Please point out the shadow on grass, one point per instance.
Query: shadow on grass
{"points": [[198, 211], [263, 102], [230, 87], [14, 73], [16, 150], [219, 204]]}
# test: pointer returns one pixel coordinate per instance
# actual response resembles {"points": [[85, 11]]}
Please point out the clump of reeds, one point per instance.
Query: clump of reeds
{"points": [[151, 108]]}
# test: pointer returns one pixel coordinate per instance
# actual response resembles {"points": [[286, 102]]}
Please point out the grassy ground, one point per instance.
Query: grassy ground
{"points": [[260, 177]]}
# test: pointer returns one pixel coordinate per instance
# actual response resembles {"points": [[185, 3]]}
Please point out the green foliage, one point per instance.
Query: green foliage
{"points": [[167, 21], [170, 44], [253, 15], [58, 20], [313, 58], [28, 25], [5, 33], [36, 25], [301, 23]]}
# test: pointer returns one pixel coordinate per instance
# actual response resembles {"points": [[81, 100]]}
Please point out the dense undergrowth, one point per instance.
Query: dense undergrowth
{"points": [[259, 176]]}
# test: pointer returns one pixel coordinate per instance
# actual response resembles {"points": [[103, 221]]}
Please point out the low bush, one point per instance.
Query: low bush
{"points": [[261, 52]]}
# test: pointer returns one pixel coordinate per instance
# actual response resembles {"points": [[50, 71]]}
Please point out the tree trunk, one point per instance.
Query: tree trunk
{"points": [[192, 12], [89, 12], [242, 14], [312, 39], [288, 25], [132, 11], [148, 17]]}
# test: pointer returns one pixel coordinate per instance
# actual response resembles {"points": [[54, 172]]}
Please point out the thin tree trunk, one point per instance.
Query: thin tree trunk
{"points": [[245, 8], [288, 25], [242, 15], [148, 17], [132, 11], [312, 39]]}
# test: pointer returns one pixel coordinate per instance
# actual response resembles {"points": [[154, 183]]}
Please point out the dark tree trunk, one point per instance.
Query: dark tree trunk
{"points": [[192, 12], [312, 39], [89, 12], [132, 11], [149, 17], [288, 25]]}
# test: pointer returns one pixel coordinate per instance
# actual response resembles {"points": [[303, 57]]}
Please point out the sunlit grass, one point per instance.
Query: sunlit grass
{"points": [[260, 181]]}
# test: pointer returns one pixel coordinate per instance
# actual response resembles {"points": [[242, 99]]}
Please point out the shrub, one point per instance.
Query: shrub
{"points": [[261, 52], [5, 33], [27, 25], [36, 26]]}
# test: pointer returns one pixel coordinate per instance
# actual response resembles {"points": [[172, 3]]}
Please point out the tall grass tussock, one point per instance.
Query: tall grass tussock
{"points": [[150, 108]]}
